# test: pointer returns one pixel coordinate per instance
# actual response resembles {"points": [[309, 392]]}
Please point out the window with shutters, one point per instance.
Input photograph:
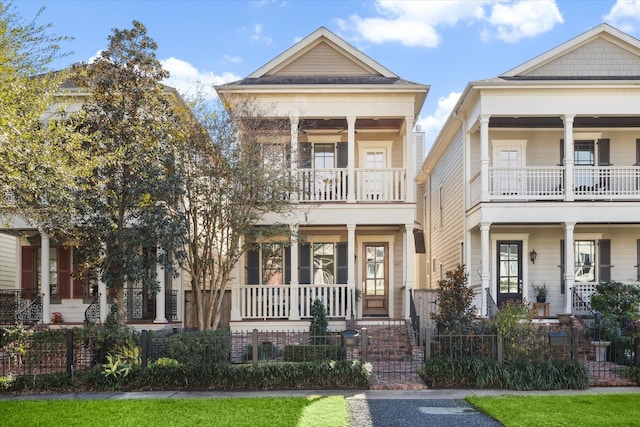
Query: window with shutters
{"points": [[585, 260]]}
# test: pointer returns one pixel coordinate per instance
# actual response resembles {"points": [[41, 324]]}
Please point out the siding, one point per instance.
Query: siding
{"points": [[8, 260], [322, 60]]}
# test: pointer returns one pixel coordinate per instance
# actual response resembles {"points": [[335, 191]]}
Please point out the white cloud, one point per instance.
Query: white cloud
{"points": [[523, 19], [232, 59], [432, 124], [624, 15], [188, 80], [258, 35], [94, 57], [419, 23]]}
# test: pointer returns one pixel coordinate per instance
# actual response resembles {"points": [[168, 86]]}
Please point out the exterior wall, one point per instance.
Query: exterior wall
{"points": [[447, 229], [8, 261], [322, 60]]}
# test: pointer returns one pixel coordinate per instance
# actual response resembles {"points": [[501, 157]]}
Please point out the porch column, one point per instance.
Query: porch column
{"points": [[294, 155], [238, 279], [294, 287], [485, 274], [160, 296], [484, 158], [102, 294], [351, 159], [568, 158], [569, 274], [410, 160], [409, 253], [45, 280], [351, 272]]}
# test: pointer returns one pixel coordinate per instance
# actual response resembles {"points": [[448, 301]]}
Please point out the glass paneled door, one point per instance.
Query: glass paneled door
{"points": [[376, 281], [509, 272]]}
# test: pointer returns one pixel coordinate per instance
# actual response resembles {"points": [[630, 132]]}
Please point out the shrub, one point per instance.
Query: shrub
{"points": [[319, 323], [478, 372], [307, 353], [198, 348], [266, 351], [514, 325], [455, 314]]}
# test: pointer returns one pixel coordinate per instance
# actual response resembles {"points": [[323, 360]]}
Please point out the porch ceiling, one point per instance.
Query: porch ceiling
{"points": [[556, 122]]}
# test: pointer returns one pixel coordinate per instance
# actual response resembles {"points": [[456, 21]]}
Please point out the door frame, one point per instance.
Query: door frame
{"points": [[361, 241], [523, 238]]}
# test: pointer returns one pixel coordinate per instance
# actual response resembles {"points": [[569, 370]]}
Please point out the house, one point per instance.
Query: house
{"points": [[535, 177], [60, 295], [354, 153]]}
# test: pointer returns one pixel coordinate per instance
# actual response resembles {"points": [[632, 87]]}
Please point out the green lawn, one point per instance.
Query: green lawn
{"points": [[570, 410], [251, 412]]}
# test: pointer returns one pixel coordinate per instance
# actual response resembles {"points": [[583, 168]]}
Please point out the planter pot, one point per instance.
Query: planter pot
{"points": [[601, 350], [564, 318], [541, 299]]}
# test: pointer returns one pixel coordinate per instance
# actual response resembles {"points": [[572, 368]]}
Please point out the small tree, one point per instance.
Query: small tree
{"points": [[454, 299], [318, 332]]}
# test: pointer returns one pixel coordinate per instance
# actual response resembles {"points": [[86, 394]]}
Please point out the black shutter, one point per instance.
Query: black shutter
{"points": [[562, 267], [638, 260], [287, 265], [562, 152], [637, 152], [604, 256], [342, 263], [304, 263], [253, 265], [304, 155], [603, 152], [342, 156]]}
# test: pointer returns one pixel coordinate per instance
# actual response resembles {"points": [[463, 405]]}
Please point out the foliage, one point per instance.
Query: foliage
{"points": [[620, 301], [307, 353], [266, 351], [482, 372], [112, 335], [122, 361], [166, 361], [514, 325], [318, 332], [540, 290], [455, 313], [124, 205], [233, 164], [15, 341], [198, 348]]}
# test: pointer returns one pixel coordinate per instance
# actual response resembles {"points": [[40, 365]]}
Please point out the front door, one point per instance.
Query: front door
{"points": [[509, 271], [376, 280]]}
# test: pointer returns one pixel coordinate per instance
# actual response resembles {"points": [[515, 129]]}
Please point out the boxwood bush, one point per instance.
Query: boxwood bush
{"points": [[307, 353], [198, 348]]}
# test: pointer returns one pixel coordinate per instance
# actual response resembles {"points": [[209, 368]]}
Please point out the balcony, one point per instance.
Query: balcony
{"points": [[371, 185], [548, 183]]}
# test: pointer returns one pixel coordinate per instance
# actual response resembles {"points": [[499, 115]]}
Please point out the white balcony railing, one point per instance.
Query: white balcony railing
{"points": [[332, 185], [547, 183], [275, 301]]}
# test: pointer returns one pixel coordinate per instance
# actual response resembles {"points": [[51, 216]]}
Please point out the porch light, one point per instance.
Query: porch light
{"points": [[532, 256]]}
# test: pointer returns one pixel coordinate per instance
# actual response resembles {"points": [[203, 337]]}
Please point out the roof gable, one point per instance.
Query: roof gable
{"points": [[322, 53], [600, 52]]}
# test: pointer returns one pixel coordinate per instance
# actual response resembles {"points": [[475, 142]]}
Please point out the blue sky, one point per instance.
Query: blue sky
{"points": [[444, 44]]}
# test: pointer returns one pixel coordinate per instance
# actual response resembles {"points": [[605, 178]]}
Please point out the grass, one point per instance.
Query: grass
{"points": [[564, 410], [251, 412]]}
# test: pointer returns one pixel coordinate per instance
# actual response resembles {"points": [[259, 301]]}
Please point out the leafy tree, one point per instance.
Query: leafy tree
{"points": [[124, 208], [318, 328], [455, 313], [39, 157], [235, 171]]}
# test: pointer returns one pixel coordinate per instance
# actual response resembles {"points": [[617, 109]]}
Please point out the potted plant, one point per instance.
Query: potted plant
{"points": [[541, 292]]}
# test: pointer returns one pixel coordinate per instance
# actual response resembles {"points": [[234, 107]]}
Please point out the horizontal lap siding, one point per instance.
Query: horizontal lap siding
{"points": [[8, 262]]}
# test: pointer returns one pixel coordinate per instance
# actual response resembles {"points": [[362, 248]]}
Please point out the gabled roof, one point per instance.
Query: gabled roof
{"points": [[602, 52]]}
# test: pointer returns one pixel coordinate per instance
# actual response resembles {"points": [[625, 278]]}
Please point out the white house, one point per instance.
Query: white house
{"points": [[535, 177], [355, 155]]}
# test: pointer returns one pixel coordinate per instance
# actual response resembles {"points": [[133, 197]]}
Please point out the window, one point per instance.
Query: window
{"points": [[323, 263], [584, 153], [324, 156], [53, 272], [584, 261], [272, 264]]}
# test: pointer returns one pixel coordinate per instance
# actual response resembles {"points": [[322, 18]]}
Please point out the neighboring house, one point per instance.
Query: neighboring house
{"points": [[355, 154], [28, 296], [535, 177]]}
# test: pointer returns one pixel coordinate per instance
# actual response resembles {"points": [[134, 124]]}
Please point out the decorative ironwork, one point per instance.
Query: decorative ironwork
{"points": [[32, 313], [171, 305], [415, 317], [492, 307], [92, 313]]}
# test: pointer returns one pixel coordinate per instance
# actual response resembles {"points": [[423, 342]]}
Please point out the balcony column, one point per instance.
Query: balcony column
{"points": [[351, 272], [410, 160], [351, 159], [294, 286], [569, 256], [485, 274], [161, 316], [294, 120], [102, 295], [45, 279], [238, 279], [409, 253], [484, 158], [568, 158]]}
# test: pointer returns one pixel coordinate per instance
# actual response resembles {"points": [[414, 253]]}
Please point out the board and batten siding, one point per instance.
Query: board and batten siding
{"points": [[8, 261], [447, 227]]}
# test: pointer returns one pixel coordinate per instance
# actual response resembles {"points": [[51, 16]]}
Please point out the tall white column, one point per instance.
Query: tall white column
{"points": [[238, 279], [294, 304], [410, 160], [409, 282], [484, 158], [568, 158], [485, 274], [351, 159], [351, 272], [294, 120], [569, 275], [102, 293], [160, 296], [45, 280]]}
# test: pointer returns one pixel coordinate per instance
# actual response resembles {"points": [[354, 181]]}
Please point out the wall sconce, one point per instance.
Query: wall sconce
{"points": [[532, 256]]}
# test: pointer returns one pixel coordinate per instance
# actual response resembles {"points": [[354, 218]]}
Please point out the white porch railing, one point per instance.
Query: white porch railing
{"points": [[274, 301], [607, 182], [331, 185], [529, 182]]}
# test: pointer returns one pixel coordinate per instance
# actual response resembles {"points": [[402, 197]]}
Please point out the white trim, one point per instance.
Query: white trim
{"points": [[360, 241], [367, 146]]}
